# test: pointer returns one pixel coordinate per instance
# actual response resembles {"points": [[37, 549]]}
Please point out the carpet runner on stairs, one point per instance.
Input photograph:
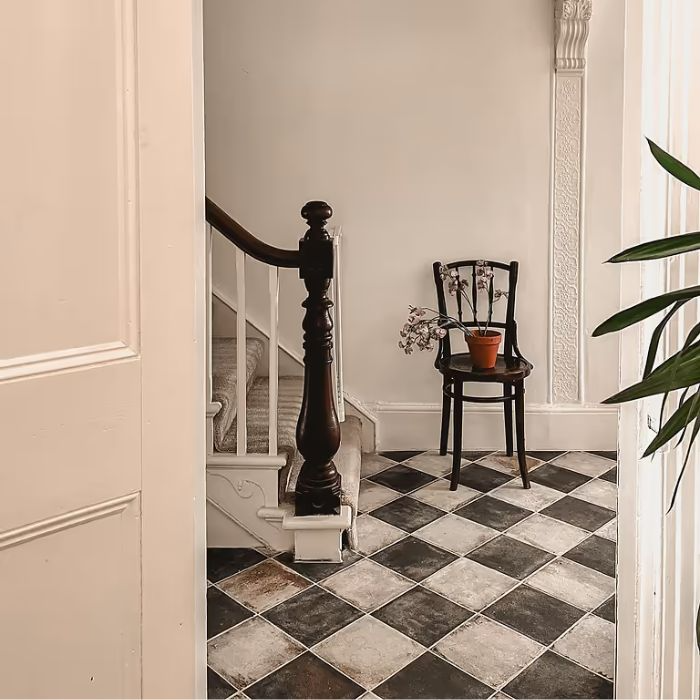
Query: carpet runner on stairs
{"points": [[348, 458]]}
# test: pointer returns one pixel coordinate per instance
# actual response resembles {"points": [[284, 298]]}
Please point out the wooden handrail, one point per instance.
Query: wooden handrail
{"points": [[247, 242]]}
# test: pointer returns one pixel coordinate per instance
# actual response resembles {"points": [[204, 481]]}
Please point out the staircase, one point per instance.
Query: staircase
{"points": [[276, 476]]}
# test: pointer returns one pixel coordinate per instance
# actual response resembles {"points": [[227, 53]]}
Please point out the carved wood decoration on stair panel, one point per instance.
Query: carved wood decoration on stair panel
{"points": [[318, 430], [570, 35]]}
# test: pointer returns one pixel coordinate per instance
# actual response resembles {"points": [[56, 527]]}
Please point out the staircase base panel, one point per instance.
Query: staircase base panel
{"points": [[318, 538]]}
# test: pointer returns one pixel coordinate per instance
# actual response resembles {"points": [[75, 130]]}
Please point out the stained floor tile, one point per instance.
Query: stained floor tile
{"points": [[573, 583], [591, 643], [414, 558], [488, 651], [432, 463], [407, 513], [317, 572], [373, 463], [378, 651], [509, 465], [431, 677], [493, 512], [305, 677], [535, 614], [250, 651], [510, 557], [456, 534], [553, 676], [223, 612], [402, 478], [224, 562], [264, 586], [438, 494], [374, 534], [367, 585], [609, 530], [585, 463], [470, 584], [374, 495], [217, 687], [422, 615], [548, 534], [574, 511], [596, 553], [535, 498], [400, 455], [545, 455], [559, 478], [312, 616], [598, 491], [607, 610], [481, 478]]}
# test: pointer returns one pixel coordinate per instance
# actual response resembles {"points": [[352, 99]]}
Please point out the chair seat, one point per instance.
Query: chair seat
{"points": [[461, 367]]}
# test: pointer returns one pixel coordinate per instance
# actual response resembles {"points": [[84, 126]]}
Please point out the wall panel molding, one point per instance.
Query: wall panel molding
{"points": [[25, 533], [570, 36]]}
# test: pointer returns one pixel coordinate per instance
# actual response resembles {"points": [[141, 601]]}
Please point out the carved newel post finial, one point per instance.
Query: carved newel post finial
{"points": [[318, 430], [571, 19]]}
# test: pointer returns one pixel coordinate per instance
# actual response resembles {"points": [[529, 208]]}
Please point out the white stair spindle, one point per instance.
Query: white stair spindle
{"points": [[210, 301], [241, 388], [274, 356]]}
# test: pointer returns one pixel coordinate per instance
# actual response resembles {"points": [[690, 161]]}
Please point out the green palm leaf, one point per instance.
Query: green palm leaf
{"points": [[656, 338], [674, 167], [649, 307], [684, 414], [660, 248]]}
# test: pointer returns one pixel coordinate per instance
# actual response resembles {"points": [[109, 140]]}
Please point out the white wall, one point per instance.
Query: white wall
{"points": [[427, 126]]}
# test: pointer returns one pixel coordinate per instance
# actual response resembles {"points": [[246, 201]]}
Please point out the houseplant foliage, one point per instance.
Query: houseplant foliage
{"points": [[681, 371], [426, 326]]}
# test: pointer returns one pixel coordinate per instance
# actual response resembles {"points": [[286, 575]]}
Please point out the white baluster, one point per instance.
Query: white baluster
{"points": [[241, 370], [210, 301], [337, 326], [274, 355]]}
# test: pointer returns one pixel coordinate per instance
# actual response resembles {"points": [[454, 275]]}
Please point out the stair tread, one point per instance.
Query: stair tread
{"points": [[224, 380]]}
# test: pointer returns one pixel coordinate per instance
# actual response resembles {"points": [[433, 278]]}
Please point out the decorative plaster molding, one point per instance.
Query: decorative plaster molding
{"points": [[571, 19]]}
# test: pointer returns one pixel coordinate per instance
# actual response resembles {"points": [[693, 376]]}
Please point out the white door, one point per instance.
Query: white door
{"points": [[101, 353]]}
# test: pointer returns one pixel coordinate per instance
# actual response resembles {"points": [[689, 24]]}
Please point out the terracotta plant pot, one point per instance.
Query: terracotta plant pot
{"points": [[483, 348]]}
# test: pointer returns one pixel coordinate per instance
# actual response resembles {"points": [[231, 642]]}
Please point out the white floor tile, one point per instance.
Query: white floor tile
{"points": [[584, 463], [535, 498], [438, 494], [546, 533], [598, 491], [591, 643], [456, 534]]}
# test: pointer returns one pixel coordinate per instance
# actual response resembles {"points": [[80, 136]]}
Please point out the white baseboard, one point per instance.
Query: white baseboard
{"points": [[406, 426]]}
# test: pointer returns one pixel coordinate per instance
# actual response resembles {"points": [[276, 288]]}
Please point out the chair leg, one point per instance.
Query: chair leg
{"points": [[457, 435], [508, 418], [445, 424], [520, 432]]}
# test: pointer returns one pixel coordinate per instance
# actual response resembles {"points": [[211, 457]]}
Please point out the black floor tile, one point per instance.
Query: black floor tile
{"points": [[574, 511], [407, 513], [610, 476], [481, 478], [552, 676], [493, 512], [510, 557], [596, 553], [222, 563], [402, 478], [431, 677], [317, 572], [217, 687], [312, 615], [474, 455], [422, 615], [401, 455], [607, 454], [546, 455], [535, 614], [305, 677], [414, 558], [607, 610], [223, 612], [558, 478]]}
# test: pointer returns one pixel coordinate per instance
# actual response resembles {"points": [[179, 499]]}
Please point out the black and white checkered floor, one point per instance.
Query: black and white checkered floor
{"points": [[487, 591]]}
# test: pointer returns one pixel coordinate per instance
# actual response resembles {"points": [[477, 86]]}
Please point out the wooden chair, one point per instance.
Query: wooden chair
{"points": [[456, 368]]}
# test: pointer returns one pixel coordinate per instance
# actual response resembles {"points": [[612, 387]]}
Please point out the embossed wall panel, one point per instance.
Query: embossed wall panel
{"points": [[68, 268]]}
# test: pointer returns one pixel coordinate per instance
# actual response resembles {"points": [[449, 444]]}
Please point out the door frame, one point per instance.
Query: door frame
{"points": [[171, 218]]}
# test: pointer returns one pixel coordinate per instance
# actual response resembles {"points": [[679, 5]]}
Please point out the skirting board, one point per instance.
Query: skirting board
{"points": [[404, 426]]}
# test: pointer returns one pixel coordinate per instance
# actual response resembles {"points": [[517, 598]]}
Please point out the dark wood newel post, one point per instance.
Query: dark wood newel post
{"points": [[318, 430]]}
